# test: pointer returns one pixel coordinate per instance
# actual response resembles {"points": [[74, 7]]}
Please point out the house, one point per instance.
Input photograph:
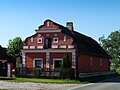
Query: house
{"points": [[47, 47], [6, 63]]}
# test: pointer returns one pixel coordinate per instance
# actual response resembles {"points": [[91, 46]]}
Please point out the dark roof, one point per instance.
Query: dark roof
{"points": [[4, 55], [84, 43]]}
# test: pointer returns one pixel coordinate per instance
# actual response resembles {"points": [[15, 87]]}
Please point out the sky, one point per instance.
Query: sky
{"points": [[94, 18]]}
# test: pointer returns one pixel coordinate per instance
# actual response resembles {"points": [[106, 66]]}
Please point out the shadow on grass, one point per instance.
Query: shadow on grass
{"points": [[6, 78]]}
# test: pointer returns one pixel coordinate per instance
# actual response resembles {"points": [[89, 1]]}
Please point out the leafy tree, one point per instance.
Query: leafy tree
{"points": [[66, 71], [66, 62], [14, 49], [112, 45]]}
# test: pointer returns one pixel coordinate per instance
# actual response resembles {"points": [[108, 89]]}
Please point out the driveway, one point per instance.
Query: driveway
{"points": [[34, 86], [111, 84]]}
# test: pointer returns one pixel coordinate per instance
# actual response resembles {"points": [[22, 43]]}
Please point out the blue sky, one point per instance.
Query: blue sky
{"points": [[90, 17]]}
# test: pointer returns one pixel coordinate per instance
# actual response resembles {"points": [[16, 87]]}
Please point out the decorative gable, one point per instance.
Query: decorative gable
{"points": [[48, 24]]}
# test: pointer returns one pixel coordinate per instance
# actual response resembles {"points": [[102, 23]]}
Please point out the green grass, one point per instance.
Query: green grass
{"points": [[60, 81], [57, 81]]}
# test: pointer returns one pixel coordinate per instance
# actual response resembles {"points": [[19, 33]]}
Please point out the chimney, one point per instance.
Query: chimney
{"points": [[69, 25]]}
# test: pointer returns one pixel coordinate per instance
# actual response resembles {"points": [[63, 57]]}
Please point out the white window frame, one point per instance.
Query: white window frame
{"points": [[54, 40], [36, 59], [38, 40], [65, 38]]}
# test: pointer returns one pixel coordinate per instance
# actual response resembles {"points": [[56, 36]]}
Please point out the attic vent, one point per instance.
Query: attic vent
{"points": [[69, 25]]}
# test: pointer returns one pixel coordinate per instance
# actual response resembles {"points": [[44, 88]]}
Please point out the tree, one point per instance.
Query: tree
{"points": [[14, 49], [66, 71], [66, 62], [112, 45]]}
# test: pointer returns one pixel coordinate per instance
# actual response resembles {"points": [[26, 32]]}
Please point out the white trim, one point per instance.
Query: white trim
{"points": [[65, 38], [23, 59], [41, 59], [63, 46], [70, 46], [74, 61], [45, 30], [32, 47], [47, 59], [25, 47], [39, 40], [54, 46], [8, 70], [32, 39], [56, 38], [40, 47], [49, 50]]}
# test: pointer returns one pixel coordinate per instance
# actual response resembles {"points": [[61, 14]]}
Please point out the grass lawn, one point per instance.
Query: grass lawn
{"points": [[57, 81], [60, 81]]}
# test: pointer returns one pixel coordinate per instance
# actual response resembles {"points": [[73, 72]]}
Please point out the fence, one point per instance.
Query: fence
{"points": [[38, 72], [35, 72]]}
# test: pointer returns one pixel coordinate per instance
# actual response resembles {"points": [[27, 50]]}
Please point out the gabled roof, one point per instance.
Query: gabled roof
{"points": [[84, 43], [4, 55]]}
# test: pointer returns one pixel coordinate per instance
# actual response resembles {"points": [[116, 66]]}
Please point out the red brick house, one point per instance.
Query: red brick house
{"points": [[47, 47]]}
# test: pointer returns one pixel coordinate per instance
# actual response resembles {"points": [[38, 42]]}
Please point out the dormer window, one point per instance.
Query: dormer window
{"points": [[64, 38], [55, 40], [39, 40]]}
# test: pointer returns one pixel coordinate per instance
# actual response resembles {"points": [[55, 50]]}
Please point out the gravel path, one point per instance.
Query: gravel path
{"points": [[34, 86]]}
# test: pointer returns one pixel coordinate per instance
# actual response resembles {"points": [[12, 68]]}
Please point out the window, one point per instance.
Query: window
{"points": [[39, 40], [91, 61], [57, 63], [100, 62], [48, 23], [38, 63], [31, 39], [55, 40], [47, 43], [64, 38]]}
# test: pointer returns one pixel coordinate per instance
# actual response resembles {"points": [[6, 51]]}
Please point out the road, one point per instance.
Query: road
{"points": [[111, 84]]}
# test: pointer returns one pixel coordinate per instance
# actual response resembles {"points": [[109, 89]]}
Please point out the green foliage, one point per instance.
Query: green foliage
{"points": [[66, 62], [14, 47], [66, 70], [112, 45]]}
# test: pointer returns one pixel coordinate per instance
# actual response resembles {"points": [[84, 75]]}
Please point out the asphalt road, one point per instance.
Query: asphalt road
{"points": [[111, 84]]}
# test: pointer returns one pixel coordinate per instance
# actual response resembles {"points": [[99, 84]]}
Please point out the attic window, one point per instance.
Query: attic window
{"points": [[48, 23], [55, 40], [31, 39], [39, 40], [64, 38]]}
